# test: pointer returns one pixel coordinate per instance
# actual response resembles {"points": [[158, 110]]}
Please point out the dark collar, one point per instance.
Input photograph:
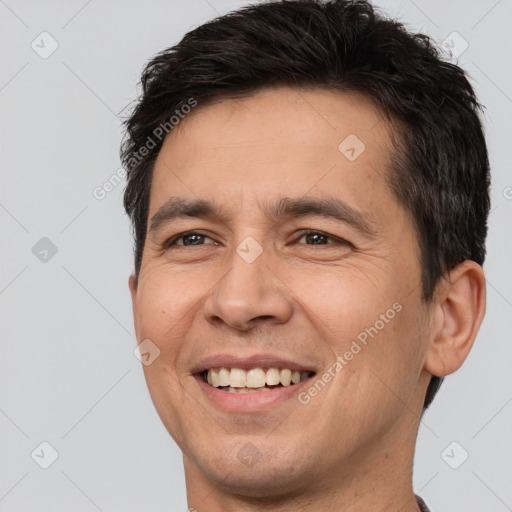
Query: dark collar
{"points": [[422, 504]]}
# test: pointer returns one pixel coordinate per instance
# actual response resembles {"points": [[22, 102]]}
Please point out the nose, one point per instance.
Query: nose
{"points": [[247, 295]]}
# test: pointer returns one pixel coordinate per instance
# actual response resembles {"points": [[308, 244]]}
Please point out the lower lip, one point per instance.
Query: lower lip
{"points": [[250, 401]]}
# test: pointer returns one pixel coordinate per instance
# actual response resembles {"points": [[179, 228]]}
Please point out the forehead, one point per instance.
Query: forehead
{"points": [[298, 141]]}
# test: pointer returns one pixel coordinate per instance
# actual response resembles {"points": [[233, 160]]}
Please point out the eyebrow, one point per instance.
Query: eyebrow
{"points": [[328, 207]]}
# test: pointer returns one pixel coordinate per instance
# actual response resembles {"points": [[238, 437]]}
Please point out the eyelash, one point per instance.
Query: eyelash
{"points": [[171, 242]]}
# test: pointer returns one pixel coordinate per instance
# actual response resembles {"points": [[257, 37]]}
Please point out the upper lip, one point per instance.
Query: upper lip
{"points": [[253, 361]]}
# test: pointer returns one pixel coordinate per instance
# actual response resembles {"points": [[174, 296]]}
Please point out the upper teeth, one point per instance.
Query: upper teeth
{"points": [[254, 378]]}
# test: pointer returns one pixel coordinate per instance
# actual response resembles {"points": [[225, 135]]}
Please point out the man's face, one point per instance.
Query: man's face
{"points": [[250, 290]]}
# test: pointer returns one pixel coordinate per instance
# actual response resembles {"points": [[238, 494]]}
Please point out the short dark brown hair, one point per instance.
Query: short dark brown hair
{"points": [[440, 168]]}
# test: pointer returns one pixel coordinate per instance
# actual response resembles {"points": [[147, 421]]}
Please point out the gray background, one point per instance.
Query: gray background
{"points": [[67, 372]]}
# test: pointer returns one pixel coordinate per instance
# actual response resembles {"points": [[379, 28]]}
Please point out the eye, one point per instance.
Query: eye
{"points": [[321, 238], [189, 238]]}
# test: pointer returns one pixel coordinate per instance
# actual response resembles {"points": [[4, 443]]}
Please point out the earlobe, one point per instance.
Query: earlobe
{"points": [[457, 315]]}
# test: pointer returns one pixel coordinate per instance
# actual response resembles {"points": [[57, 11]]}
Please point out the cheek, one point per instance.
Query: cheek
{"points": [[162, 319], [379, 375], [385, 371], [165, 301], [341, 301], [377, 333]]}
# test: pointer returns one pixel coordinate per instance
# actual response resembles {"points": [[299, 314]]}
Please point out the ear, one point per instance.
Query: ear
{"points": [[132, 284], [458, 311]]}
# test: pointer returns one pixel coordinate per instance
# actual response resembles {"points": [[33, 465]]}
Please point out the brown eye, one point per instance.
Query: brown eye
{"points": [[187, 239], [320, 238]]}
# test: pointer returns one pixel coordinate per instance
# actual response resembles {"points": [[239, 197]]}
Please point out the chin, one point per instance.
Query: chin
{"points": [[261, 483], [267, 472]]}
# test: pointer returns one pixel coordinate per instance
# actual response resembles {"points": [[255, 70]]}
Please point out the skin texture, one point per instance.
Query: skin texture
{"points": [[351, 447]]}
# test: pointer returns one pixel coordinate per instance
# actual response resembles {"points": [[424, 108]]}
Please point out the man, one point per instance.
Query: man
{"points": [[308, 185]]}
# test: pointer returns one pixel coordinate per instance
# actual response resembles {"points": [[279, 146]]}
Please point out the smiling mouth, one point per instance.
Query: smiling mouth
{"points": [[238, 380]]}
